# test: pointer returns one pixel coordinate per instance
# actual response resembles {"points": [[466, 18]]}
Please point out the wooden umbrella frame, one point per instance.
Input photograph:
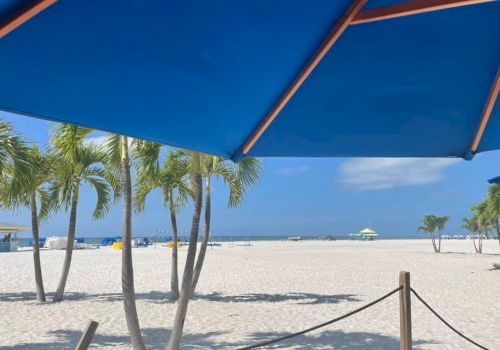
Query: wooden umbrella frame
{"points": [[355, 16], [34, 9]]}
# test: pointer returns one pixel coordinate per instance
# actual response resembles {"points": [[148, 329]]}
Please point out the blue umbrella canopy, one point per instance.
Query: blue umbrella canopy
{"points": [[262, 78]]}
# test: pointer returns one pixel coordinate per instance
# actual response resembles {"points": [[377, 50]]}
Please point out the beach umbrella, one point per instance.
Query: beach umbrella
{"points": [[412, 78]]}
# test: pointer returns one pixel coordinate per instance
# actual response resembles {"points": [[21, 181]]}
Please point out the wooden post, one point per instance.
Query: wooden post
{"points": [[405, 311], [87, 335]]}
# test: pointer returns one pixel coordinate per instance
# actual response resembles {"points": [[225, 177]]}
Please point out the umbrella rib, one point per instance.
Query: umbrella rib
{"points": [[487, 112], [409, 8], [25, 16], [338, 28]]}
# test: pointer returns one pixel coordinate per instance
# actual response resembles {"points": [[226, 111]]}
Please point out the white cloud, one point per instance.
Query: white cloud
{"points": [[100, 141], [383, 173], [96, 141], [293, 170]]}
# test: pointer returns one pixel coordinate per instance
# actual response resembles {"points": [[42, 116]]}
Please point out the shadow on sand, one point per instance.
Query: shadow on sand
{"points": [[300, 298], [162, 297], [334, 340], [464, 253], [153, 296], [156, 338]]}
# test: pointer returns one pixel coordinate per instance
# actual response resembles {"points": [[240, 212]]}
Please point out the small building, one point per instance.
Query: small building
{"points": [[8, 243], [368, 234]]}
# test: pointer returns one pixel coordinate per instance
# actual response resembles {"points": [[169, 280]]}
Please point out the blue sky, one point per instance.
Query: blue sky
{"points": [[305, 196]]}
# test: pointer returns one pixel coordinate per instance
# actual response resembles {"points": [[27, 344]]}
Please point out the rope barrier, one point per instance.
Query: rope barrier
{"points": [[446, 323], [322, 324]]}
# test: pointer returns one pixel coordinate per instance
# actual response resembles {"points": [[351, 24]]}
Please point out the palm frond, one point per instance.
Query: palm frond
{"points": [[147, 156], [249, 171], [422, 229], [13, 151], [112, 147], [170, 179], [47, 205], [104, 196], [66, 139], [232, 181], [238, 177], [146, 183]]}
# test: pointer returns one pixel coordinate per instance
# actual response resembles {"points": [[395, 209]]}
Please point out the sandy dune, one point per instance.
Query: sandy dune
{"points": [[249, 294]]}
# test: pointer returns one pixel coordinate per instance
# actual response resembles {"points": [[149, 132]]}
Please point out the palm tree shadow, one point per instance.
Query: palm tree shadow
{"points": [[334, 340], [464, 253], [300, 298], [154, 338], [152, 296], [157, 338], [19, 296], [166, 298]]}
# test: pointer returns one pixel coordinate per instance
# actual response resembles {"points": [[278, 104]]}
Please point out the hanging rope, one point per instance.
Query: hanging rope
{"points": [[322, 324], [446, 323]]}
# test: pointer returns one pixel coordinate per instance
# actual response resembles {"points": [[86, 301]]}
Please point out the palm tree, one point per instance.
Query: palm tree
{"points": [[472, 226], [76, 164], [28, 191], [431, 223], [440, 224], [119, 161], [196, 192], [246, 174], [493, 208], [483, 219], [171, 180], [238, 177]]}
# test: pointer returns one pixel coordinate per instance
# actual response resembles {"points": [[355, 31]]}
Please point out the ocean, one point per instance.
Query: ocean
{"points": [[26, 242]]}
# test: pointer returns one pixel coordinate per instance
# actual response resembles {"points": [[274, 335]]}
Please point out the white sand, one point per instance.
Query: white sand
{"points": [[249, 294]]}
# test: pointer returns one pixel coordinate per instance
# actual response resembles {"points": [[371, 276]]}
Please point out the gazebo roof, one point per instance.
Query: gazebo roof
{"points": [[11, 228], [367, 231]]}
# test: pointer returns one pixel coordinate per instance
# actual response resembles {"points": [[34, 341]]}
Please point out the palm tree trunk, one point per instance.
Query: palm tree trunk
{"points": [[439, 244], [204, 243], [497, 227], [187, 277], [59, 295], [40, 292], [174, 276], [475, 246], [127, 266], [433, 240]]}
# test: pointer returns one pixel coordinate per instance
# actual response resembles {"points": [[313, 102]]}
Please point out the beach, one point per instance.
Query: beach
{"points": [[248, 294]]}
